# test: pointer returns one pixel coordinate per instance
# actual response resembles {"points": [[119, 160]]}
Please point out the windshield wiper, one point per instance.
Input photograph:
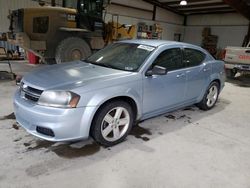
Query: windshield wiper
{"points": [[88, 61], [102, 64]]}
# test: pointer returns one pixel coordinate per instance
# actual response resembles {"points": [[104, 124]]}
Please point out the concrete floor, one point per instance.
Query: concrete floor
{"points": [[188, 148]]}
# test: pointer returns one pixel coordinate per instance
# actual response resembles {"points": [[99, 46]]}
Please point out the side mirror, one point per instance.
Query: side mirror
{"points": [[156, 70]]}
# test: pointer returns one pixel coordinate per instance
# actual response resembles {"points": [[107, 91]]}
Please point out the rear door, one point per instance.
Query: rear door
{"points": [[197, 72]]}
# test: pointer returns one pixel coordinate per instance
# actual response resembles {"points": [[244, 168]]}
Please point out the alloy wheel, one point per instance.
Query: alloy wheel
{"points": [[212, 96], [115, 124]]}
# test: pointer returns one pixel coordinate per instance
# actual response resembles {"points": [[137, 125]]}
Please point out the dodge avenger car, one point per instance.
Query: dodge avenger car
{"points": [[105, 94]]}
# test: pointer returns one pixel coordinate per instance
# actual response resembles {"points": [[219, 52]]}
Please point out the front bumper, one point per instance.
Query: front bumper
{"points": [[66, 124]]}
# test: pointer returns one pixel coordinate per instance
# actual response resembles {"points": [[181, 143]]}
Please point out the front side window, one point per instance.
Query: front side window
{"points": [[193, 57], [41, 24], [171, 59], [122, 56]]}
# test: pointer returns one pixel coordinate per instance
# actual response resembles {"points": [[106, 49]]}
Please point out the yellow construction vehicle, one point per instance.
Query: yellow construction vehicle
{"points": [[61, 34], [116, 31]]}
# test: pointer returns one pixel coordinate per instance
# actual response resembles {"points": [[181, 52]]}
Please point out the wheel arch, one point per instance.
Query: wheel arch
{"points": [[213, 78], [132, 102], [218, 81]]}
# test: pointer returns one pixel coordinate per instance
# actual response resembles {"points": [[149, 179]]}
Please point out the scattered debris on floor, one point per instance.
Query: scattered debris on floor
{"points": [[170, 116], [188, 121], [26, 144], [189, 109], [138, 132], [15, 126], [10, 116], [183, 116], [17, 139], [65, 150], [39, 144]]}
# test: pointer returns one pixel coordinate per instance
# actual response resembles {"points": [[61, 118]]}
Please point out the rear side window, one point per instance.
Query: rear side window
{"points": [[192, 57], [170, 59]]}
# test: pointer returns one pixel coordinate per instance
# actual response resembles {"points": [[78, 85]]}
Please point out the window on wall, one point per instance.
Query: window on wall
{"points": [[192, 57], [171, 59]]}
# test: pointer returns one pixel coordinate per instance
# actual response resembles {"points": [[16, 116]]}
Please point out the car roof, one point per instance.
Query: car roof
{"points": [[157, 43]]}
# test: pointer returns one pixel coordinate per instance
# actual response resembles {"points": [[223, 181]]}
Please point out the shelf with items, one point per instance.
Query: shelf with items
{"points": [[209, 41], [145, 31]]}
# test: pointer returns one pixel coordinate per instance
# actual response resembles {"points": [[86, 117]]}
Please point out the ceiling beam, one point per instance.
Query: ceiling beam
{"points": [[212, 12], [207, 9], [159, 4], [178, 2], [241, 6], [203, 5]]}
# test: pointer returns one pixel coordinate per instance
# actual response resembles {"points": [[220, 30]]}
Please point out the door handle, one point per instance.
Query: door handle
{"points": [[247, 51], [180, 75]]}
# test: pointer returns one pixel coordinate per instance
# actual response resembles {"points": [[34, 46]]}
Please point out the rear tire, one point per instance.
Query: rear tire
{"points": [[210, 97], [72, 48], [112, 123]]}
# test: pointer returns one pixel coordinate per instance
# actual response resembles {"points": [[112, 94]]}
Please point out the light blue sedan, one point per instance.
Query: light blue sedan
{"points": [[104, 95]]}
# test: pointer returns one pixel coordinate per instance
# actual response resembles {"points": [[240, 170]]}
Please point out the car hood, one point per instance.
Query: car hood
{"points": [[70, 75]]}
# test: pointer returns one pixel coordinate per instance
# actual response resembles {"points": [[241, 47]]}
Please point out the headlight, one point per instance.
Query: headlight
{"points": [[61, 99]]}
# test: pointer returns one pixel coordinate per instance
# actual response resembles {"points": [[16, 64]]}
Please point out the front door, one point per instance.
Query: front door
{"points": [[162, 92]]}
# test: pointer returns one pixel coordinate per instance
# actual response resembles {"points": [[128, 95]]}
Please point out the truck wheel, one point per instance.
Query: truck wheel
{"points": [[112, 123], [72, 48]]}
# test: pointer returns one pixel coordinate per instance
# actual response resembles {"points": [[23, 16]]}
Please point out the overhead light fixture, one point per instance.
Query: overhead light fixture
{"points": [[183, 3]]}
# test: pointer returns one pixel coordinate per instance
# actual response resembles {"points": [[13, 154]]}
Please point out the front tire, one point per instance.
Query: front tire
{"points": [[112, 123], [210, 97]]}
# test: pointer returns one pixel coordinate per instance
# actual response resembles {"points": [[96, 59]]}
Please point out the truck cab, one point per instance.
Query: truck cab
{"points": [[237, 59]]}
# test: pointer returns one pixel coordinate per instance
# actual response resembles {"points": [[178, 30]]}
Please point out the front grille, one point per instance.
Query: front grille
{"points": [[30, 93], [29, 97], [45, 131]]}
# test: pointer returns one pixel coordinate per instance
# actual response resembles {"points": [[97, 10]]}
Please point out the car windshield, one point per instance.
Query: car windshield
{"points": [[122, 56]]}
